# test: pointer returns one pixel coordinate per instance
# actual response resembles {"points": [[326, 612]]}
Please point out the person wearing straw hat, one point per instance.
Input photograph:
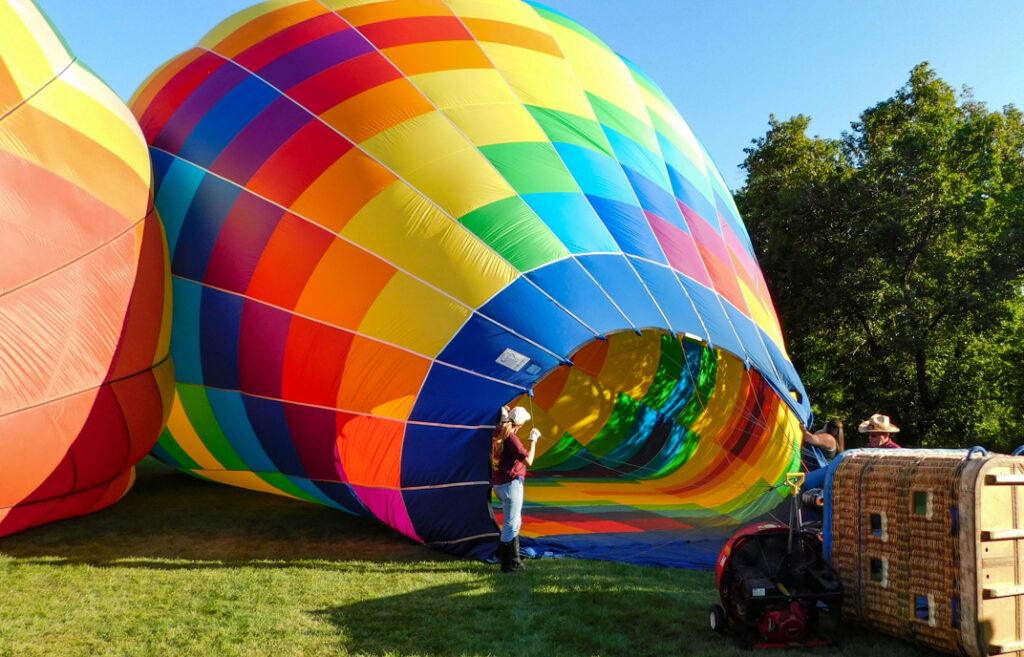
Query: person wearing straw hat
{"points": [[509, 460], [879, 430]]}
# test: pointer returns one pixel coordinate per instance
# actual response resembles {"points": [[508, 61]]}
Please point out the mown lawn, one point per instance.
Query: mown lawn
{"points": [[186, 567]]}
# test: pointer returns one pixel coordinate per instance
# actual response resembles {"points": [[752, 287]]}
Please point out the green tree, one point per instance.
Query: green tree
{"points": [[896, 259]]}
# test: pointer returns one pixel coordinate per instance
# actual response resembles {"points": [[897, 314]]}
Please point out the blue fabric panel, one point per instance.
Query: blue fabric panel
{"points": [[544, 323], [310, 488], [479, 343], [614, 274], [573, 221], [790, 380], [637, 157], [185, 342], [233, 419], [750, 336], [451, 396], [568, 283], [689, 194], [434, 456], [451, 513], [162, 454], [268, 420], [221, 316], [662, 282], [226, 119], [629, 228], [596, 173], [199, 232], [655, 548], [654, 199], [709, 307], [342, 496], [632, 442], [178, 186]]}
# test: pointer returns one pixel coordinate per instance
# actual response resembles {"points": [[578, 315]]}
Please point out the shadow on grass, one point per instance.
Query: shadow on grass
{"points": [[172, 520], [565, 607]]}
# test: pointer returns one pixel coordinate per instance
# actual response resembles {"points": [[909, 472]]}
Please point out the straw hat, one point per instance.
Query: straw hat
{"points": [[877, 423]]}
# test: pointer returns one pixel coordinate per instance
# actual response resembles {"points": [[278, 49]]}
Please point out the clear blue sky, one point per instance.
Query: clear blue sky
{"points": [[726, 64]]}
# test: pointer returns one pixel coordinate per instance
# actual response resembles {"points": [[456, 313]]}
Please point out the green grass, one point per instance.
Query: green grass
{"points": [[185, 567]]}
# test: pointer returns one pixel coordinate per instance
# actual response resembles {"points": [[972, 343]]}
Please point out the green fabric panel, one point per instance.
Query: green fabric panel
{"points": [[569, 128], [623, 122], [197, 407], [705, 386], [531, 167], [565, 21], [620, 422], [170, 445], [667, 376], [680, 458], [566, 448], [284, 484], [512, 229]]}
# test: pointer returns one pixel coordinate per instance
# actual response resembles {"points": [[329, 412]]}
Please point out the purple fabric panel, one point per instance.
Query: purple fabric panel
{"points": [[261, 345], [314, 435], [241, 241], [180, 126], [312, 58], [260, 139]]}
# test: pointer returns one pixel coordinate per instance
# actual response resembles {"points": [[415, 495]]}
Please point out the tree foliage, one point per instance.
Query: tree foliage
{"points": [[896, 259]]}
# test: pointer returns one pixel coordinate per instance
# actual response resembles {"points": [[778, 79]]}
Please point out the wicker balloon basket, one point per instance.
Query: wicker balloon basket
{"points": [[930, 546]]}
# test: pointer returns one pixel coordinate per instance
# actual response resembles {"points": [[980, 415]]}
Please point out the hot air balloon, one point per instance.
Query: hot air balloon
{"points": [[85, 378], [388, 219]]}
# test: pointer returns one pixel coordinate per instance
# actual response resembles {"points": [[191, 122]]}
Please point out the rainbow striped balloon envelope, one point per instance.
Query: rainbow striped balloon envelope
{"points": [[388, 219], [85, 309]]}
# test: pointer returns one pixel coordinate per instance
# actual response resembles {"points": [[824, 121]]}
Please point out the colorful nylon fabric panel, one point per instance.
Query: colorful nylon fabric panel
{"points": [[388, 219], [85, 378]]}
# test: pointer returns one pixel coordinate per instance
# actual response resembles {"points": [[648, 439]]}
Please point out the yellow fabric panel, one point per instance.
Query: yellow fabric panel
{"points": [[232, 23], [550, 429], [600, 71], [240, 479], [632, 363], [760, 316], [163, 341], [509, 11], [407, 231], [584, 406], [185, 435], [430, 153], [481, 105], [557, 89], [409, 314], [31, 51], [80, 100], [267, 25], [682, 137]]}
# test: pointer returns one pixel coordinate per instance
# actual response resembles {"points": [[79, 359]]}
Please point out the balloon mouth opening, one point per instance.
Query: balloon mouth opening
{"points": [[653, 431]]}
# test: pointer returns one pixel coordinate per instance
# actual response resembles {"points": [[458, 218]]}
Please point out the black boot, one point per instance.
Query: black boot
{"points": [[505, 554], [516, 558]]}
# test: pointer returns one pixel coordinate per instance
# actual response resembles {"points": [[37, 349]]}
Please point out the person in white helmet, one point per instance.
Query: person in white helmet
{"points": [[509, 460]]}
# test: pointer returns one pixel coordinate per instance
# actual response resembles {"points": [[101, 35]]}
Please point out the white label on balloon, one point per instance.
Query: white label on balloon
{"points": [[513, 359]]}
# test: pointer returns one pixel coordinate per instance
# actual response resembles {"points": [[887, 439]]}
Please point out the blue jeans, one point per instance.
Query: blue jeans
{"points": [[511, 496]]}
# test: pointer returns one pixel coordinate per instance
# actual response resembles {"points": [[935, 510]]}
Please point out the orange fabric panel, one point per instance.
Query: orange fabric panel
{"points": [[40, 221], [381, 379], [547, 392], [384, 11], [290, 256], [91, 166], [591, 358], [378, 109], [431, 56], [266, 26], [342, 190], [344, 266], [514, 35], [145, 401], [370, 450], [9, 94]]}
